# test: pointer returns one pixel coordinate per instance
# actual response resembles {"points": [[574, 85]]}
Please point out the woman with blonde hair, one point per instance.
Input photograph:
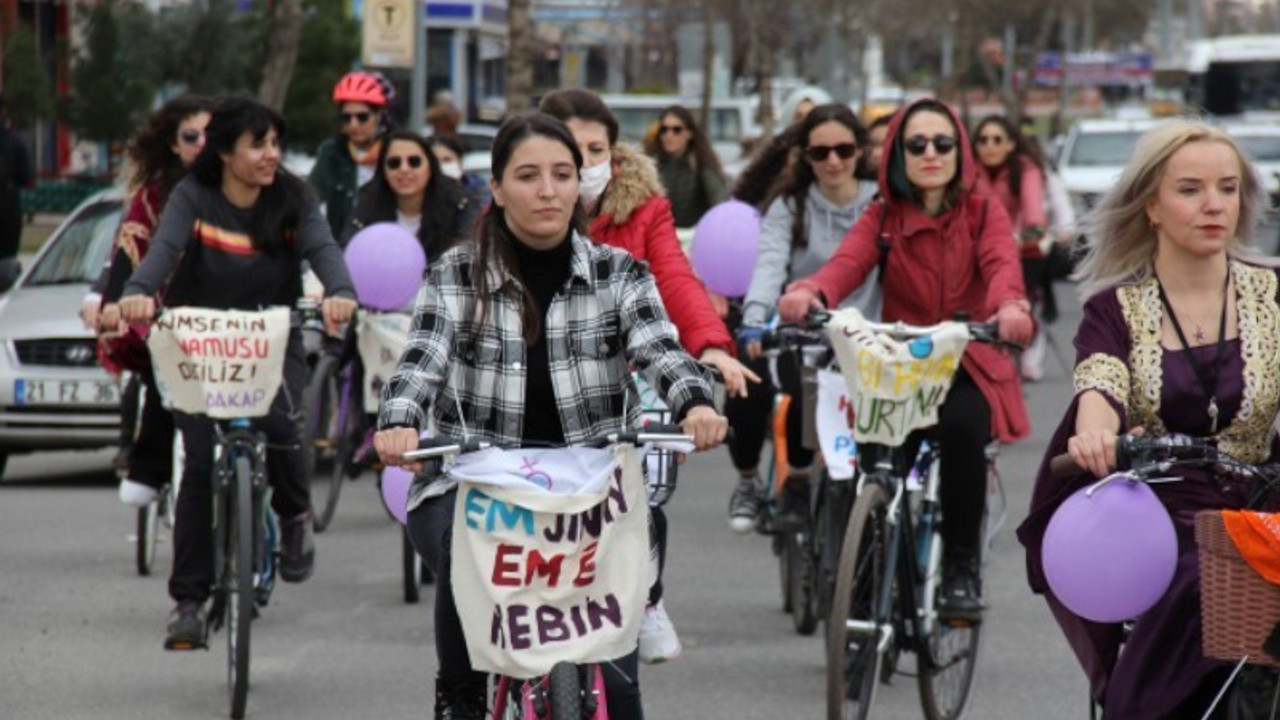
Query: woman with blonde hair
{"points": [[1180, 334]]}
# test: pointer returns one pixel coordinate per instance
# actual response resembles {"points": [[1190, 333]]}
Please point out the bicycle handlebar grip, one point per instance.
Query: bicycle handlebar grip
{"points": [[1063, 467]]}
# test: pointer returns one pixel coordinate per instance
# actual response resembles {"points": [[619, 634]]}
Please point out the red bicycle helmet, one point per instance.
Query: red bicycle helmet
{"points": [[361, 87]]}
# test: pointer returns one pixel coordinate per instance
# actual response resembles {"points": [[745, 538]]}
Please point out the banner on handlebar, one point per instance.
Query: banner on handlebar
{"points": [[896, 386], [548, 556], [381, 338], [222, 363]]}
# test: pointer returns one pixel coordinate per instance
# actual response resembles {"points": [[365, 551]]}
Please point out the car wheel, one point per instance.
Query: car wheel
{"points": [[4, 460]]}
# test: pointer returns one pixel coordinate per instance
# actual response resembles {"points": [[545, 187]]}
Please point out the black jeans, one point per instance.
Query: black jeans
{"points": [[431, 530], [193, 570], [749, 417], [151, 450]]}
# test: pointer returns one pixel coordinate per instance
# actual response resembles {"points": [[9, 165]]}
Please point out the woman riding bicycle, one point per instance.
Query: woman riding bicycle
{"points": [[1180, 334], [944, 249], [525, 336], [233, 236]]}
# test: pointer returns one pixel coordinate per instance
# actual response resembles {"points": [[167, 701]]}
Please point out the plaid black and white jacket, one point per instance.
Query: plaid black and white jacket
{"points": [[609, 315]]}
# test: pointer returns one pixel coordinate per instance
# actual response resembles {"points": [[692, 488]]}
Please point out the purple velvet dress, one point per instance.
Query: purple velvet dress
{"points": [[1162, 672]]}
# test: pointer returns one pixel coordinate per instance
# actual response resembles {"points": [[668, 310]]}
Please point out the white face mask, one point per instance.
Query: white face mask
{"points": [[594, 180], [452, 170]]}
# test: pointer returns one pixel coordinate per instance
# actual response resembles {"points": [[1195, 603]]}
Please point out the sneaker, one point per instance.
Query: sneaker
{"points": [[460, 702], [1032, 361], [297, 548], [187, 628], [137, 494], [744, 504], [961, 596], [658, 639], [793, 509]]}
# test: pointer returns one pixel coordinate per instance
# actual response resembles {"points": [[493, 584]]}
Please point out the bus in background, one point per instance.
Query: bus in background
{"points": [[1236, 75]]}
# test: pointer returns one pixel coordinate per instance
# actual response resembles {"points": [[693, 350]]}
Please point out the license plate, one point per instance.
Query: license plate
{"points": [[66, 392]]}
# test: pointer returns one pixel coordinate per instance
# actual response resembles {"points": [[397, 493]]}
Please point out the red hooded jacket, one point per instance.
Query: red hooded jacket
{"points": [[963, 260], [636, 217]]}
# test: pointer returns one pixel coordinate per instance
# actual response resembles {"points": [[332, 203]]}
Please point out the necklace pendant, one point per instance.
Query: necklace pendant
{"points": [[1213, 416], [1199, 334]]}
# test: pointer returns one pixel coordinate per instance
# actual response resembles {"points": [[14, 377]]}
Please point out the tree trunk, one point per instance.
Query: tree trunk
{"points": [[282, 54], [519, 56], [708, 64], [767, 56], [1018, 108]]}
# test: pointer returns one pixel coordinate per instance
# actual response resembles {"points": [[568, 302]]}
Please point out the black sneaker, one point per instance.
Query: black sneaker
{"points": [[793, 508], [187, 628], [297, 548], [460, 702], [961, 597], [744, 504]]}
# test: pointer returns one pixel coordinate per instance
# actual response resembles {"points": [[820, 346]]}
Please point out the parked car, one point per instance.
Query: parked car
{"points": [[53, 393], [1262, 142], [1093, 155]]}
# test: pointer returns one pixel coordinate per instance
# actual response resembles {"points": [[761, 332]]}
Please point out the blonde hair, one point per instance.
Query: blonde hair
{"points": [[1121, 241]]}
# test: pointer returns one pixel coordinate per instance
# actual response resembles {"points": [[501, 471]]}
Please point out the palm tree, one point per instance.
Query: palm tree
{"points": [[519, 56]]}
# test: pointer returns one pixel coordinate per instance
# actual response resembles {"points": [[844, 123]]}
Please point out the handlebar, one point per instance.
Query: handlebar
{"points": [[439, 447], [987, 332], [1150, 457]]}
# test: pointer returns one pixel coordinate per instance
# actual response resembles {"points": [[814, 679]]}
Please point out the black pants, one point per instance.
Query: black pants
{"points": [[749, 417], [151, 450], [193, 570], [431, 530]]}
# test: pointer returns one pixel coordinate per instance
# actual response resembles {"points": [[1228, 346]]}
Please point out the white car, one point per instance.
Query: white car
{"points": [[1261, 141], [1093, 156], [53, 393]]}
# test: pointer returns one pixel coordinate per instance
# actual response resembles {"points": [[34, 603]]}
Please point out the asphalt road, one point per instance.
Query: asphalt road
{"points": [[81, 632]]}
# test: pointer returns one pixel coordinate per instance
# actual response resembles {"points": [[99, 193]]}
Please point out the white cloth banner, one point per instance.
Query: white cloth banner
{"points": [[835, 426], [896, 386], [222, 363], [548, 556], [380, 338]]}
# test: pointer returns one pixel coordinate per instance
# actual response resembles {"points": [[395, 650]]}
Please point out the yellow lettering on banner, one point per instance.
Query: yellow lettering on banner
{"points": [[868, 368], [908, 376]]}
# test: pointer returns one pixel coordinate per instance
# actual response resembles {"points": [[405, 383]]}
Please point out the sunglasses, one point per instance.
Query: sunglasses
{"points": [[990, 139], [676, 130], [413, 161], [918, 144], [191, 137], [819, 153], [360, 117]]}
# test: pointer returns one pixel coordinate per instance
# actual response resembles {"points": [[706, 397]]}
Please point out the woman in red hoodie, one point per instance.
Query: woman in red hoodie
{"points": [[951, 251], [628, 210]]}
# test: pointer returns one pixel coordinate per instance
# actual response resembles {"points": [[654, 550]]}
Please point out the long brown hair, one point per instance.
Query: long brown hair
{"points": [[151, 150], [700, 151], [494, 240]]}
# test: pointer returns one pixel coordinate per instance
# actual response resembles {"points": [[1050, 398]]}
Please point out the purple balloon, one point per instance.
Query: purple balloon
{"points": [[725, 245], [386, 263], [1110, 557], [395, 491]]}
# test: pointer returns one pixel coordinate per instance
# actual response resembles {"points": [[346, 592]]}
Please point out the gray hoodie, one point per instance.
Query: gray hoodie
{"points": [[778, 263]]}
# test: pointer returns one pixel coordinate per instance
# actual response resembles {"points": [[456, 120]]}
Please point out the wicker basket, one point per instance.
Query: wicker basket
{"points": [[1238, 607]]}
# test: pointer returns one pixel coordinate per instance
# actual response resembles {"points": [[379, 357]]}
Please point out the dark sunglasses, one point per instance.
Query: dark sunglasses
{"points": [[413, 161], [917, 144], [191, 137], [359, 117], [990, 139], [819, 153], [676, 130]]}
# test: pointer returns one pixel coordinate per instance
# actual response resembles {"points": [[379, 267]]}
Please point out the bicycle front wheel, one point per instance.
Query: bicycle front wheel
{"points": [[803, 581], [332, 418], [945, 664], [240, 591], [148, 532], [855, 625], [565, 692], [411, 568]]}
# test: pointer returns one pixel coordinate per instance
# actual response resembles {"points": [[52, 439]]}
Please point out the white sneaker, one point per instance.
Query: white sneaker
{"points": [[136, 494], [658, 639]]}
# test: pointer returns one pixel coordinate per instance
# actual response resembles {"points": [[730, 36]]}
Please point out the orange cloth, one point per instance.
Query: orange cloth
{"points": [[1257, 536]]}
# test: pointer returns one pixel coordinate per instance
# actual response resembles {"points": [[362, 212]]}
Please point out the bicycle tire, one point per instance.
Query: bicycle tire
{"points": [[411, 568], [148, 532], [565, 692], [945, 665], [859, 577], [329, 437], [784, 570], [240, 596], [804, 599]]}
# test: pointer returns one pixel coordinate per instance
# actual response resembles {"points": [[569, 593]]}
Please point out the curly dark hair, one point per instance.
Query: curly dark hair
{"points": [[767, 172], [1021, 149], [703, 155], [151, 150]]}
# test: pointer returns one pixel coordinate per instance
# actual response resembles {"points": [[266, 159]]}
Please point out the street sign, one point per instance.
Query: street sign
{"points": [[388, 36]]}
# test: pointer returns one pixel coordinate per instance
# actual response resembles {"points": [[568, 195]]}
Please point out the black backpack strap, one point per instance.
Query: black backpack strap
{"points": [[882, 243]]}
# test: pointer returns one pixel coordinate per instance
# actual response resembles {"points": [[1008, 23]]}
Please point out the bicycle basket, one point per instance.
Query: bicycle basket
{"points": [[1238, 607]]}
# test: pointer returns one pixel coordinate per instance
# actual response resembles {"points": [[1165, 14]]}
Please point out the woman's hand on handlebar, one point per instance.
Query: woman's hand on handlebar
{"points": [[1095, 450], [735, 374], [137, 308], [393, 443], [336, 311], [1015, 323], [797, 302], [707, 427]]}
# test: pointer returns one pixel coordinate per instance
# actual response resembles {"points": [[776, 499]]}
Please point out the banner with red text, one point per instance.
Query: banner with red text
{"points": [[221, 363], [549, 554]]}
